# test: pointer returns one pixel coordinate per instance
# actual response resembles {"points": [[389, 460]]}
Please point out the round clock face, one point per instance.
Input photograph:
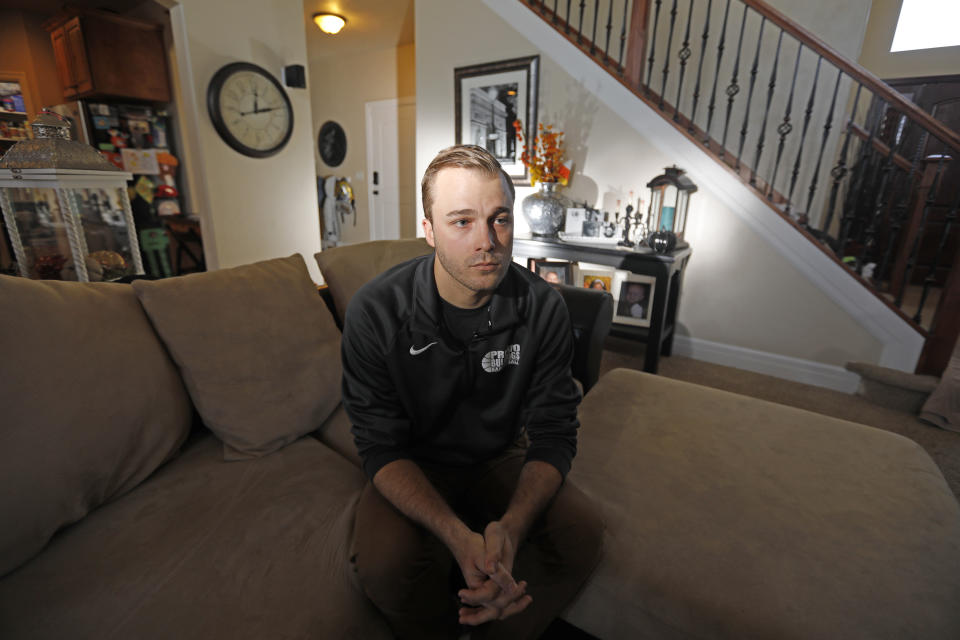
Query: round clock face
{"points": [[250, 110]]}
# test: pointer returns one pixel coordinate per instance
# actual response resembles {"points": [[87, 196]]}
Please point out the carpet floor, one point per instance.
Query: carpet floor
{"points": [[943, 446]]}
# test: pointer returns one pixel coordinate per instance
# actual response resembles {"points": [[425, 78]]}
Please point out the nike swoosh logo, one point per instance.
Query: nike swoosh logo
{"points": [[416, 352]]}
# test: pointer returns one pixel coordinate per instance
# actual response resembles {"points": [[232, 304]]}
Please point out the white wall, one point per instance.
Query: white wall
{"points": [[740, 291], [340, 87], [250, 209]]}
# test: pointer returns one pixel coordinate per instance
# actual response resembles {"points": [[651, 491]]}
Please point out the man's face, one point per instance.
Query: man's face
{"points": [[472, 232]]}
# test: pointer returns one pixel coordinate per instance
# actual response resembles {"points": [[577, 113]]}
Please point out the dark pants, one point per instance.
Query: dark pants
{"points": [[413, 578]]}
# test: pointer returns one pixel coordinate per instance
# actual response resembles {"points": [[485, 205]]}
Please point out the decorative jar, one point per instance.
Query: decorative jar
{"points": [[545, 210]]}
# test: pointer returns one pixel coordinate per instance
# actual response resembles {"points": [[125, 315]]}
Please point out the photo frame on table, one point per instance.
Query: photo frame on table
{"points": [[554, 271], [595, 276], [633, 298], [487, 99]]}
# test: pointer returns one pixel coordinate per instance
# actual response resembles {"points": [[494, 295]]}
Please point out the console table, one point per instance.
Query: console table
{"points": [[667, 269]]}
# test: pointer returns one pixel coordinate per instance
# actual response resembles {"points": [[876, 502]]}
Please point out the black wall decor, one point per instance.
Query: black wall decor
{"points": [[332, 143]]}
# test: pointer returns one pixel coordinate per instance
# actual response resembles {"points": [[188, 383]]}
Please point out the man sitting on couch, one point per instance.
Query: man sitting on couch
{"points": [[457, 383]]}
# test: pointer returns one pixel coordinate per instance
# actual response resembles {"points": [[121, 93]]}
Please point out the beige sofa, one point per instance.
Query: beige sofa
{"points": [[174, 463]]}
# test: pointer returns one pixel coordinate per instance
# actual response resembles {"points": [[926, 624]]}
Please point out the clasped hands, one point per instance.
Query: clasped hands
{"points": [[486, 562]]}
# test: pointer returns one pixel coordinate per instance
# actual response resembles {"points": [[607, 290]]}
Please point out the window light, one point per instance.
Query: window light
{"points": [[927, 24]]}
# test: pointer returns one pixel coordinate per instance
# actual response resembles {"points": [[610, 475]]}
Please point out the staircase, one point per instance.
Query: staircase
{"points": [[851, 165]]}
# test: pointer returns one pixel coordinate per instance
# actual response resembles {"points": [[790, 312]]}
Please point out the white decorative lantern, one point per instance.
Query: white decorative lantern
{"points": [[66, 208]]}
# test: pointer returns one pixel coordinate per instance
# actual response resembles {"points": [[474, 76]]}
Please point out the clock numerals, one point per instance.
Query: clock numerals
{"points": [[250, 109]]}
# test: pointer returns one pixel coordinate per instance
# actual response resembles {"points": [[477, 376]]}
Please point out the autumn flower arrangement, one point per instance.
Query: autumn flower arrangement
{"points": [[543, 156]]}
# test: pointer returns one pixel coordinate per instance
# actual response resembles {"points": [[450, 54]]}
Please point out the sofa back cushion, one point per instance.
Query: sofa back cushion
{"points": [[91, 405], [346, 269], [257, 348]]}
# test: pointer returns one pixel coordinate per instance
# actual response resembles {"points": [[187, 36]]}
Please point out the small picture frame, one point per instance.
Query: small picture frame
{"points": [[633, 298], [553, 271], [594, 276], [573, 225]]}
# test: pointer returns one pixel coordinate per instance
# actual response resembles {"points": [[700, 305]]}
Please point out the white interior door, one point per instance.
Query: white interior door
{"points": [[383, 169]]}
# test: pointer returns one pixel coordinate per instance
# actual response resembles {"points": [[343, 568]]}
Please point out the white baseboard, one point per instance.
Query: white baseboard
{"points": [[771, 364]]}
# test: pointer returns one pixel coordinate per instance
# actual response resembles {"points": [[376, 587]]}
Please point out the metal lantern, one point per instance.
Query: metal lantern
{"points": [[669, 201], [66, 208]]}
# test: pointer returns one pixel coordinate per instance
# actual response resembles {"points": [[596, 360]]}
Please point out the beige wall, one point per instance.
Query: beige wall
{"points": [[251, 209], [739, 291], [876, 54], [340, 87]]}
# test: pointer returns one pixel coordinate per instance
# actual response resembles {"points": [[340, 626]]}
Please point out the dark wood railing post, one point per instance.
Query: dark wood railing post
{"points": [[636, 43], [921, 202], [946, 326]]}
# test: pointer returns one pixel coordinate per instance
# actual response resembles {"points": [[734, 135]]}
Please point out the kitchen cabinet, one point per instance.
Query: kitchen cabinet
{"points": [[101, 55]]}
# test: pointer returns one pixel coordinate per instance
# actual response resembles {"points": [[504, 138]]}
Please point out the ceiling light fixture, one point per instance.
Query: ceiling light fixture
{"points": [[329, 22]]}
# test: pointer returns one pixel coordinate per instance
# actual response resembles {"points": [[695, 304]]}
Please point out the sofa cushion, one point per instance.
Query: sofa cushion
{"points": [[335, 433], [205, 549], [257, 348], [732, 517], [90, 405], [346, 269]]}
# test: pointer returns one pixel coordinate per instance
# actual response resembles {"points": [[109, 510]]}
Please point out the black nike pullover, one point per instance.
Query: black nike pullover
{"points": [[413, 392]]}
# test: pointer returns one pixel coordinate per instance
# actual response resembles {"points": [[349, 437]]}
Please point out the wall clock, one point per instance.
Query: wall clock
{"points": [[249, 109], [332, 143]]}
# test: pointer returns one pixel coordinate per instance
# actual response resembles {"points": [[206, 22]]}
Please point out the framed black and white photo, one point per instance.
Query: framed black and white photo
{"points": [[634, 298], [553, 271], [487, 99]]}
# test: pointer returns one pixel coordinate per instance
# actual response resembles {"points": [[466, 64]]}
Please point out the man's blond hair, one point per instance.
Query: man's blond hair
{"points": [[463, 156]]}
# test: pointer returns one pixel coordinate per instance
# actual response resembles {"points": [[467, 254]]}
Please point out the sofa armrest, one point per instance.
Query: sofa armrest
{"points": [[591, 314]]}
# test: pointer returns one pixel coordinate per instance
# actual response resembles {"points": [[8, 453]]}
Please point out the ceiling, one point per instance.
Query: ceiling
{"points": [[371, 24]]}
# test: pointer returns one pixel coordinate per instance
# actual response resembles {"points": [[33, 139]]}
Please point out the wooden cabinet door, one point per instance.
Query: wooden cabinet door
{"points": [[77, 50], [59, 39]]}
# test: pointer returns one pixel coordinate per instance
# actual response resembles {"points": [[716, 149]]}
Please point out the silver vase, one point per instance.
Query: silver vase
{"points": [[546, 210]]}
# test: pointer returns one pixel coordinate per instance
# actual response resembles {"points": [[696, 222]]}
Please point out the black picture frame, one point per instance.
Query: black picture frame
{"points": [[561, 268], [484, 110], [332, 143]]}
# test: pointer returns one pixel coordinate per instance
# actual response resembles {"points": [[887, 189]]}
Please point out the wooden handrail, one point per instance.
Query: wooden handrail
{"points": [[858, 73]]}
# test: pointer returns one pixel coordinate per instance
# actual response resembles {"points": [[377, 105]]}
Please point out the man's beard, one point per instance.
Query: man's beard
{"points": [[476, 283]]}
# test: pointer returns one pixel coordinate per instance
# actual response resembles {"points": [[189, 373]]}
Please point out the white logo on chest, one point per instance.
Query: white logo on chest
{"points": [[495, 361]]}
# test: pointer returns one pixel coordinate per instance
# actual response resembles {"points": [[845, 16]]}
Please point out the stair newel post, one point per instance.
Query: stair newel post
{"points": [[716, 75], [593, 36], [666, 56], [827, 125], [753, 81], [637, 43], [623, 35], [910, 249], [860, 169], [840, 170], [946, 320], [606, 48], [684, 54], [703, 52], [785, 127], [653, 44], [771, 86], [733, 88], [803, 134]]}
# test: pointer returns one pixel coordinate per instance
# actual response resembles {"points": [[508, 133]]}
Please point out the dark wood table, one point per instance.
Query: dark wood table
{"points": [[667, 269]]}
